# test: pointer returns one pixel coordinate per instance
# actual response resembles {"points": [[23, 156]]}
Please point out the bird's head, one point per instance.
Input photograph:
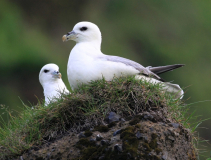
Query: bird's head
{"points": [[84, 32], [49, 73]]}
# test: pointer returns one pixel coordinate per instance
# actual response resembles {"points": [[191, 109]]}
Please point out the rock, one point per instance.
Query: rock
{"points": [[88, 133], [151, 129], [171, 138], [122, 119], [35, 148], [148, 116], [40, 158], [139, 135], [165, 156], [175, 125], [167, 133], [99, 137], [48, 156], [53, 149], [129, 155], [81, 135], [92, 140], [101, 157], [145, 138], [104, 142], [117, 132], [118, 148], [112, 117], [113, 140]]}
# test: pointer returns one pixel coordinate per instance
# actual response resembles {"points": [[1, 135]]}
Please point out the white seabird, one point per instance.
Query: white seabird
{"points": [[51, 81], [87, 63]]}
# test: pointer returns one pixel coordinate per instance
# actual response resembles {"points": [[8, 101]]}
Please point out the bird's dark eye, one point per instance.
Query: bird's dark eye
{"points": [[46, 71], [83, 28]]}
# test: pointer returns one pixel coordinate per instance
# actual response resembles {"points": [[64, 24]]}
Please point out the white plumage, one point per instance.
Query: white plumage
{"points": [[51, 81], [87, 63]]}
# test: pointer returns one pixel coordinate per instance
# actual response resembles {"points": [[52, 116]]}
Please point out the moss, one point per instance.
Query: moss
{"points": [[138, 125], [158, 150], [88, 152], [150, 147], [130, 128], [92, 152], [139, 117], [127, 132], [148, 156], [154, 136], [110, 154], [147, 147], [97, 152], [134, 121], [130, 141], [102, 128], [112, 124], [88, 133], [153, 143], [156, 157], [84, 142]]}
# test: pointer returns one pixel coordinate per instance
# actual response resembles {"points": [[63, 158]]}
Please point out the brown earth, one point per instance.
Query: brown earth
{"points": [[143, 137]]}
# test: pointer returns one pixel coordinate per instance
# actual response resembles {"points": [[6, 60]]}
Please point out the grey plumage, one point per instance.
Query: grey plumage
{"points": [[137, 66], [163, 69]]}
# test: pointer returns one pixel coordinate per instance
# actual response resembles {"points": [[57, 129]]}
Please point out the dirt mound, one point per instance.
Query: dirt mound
{"points": [[143, 137], [122, 119]]}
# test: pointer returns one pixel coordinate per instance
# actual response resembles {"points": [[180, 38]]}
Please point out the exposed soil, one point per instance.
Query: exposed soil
{"points": [[143, 137]]}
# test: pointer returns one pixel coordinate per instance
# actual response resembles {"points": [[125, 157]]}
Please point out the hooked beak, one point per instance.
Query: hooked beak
{"points": [[57, 74], [69, 36]]}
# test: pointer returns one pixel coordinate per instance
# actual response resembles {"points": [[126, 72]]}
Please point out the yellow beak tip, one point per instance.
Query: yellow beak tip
{"points": [[64, 37]]}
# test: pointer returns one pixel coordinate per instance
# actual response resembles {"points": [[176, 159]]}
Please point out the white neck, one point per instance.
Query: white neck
{"points": [[83, 49], [94, 43], [52, 82]]}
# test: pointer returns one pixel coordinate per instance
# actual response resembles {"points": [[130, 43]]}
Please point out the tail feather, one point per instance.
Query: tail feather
{"points": [[171, 88], [174, 89], [163, 69]]}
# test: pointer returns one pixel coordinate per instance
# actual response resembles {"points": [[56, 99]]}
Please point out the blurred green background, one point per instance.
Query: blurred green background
{"points": [[150, 32]]}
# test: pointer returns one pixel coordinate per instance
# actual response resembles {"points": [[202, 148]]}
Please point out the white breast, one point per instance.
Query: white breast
{"points": [[85, 66]]}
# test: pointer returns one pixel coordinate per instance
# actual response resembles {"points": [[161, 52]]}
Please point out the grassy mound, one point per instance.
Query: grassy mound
{"points": [[85, 108]]}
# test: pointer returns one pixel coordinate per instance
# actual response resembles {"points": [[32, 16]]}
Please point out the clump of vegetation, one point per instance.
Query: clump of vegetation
{"points": [[87, 133], [134, 121], [87, 108], [112, 124], [102, 128]]}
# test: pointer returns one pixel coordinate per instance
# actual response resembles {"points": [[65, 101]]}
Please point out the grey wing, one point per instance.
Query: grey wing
{"points": [[136, 65]]}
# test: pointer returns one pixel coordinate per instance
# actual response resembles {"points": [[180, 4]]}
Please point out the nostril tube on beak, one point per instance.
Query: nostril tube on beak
{"points": [[69, 36]]}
